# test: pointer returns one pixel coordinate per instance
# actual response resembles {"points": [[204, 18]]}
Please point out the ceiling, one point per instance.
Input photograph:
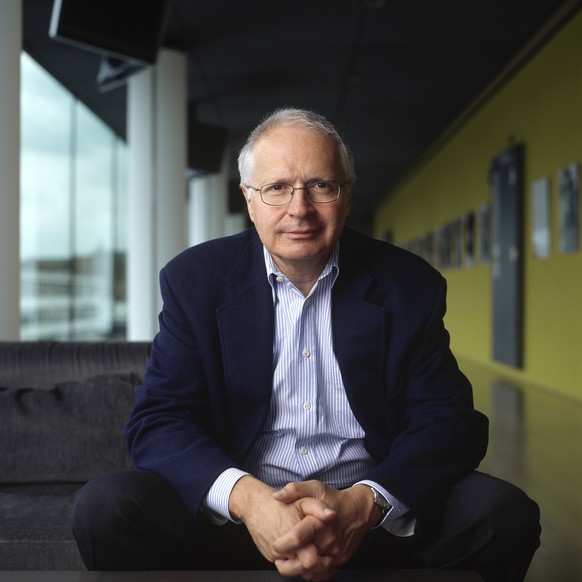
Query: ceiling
{"points": [[393, 75]]}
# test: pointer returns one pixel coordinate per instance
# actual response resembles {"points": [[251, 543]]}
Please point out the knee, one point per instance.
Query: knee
{"points": [[483, 524], [517, 515], [508, 514], [485, 509], [94, 501], [105, 499]]}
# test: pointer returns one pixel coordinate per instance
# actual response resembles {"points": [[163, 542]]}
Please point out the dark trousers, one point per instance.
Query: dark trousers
{"points": [[134, 520]]}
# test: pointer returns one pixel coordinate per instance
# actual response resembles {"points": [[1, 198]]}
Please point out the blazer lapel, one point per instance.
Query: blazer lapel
{"points": [[359, 332], [246, 332]]}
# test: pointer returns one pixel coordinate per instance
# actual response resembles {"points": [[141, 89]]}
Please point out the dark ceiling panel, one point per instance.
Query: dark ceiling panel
{"points": [[393, 74]]}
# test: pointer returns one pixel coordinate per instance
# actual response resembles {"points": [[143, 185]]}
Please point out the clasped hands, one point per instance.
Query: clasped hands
{"points": [[306, 529]]}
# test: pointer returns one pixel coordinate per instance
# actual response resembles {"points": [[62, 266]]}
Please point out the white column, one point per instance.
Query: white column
{"points": [[199, 200], [156, 130], [220, 207], [172, 147], [208, 205], [10, 48]]}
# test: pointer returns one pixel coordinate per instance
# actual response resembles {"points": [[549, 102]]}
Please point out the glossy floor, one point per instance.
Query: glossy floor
{"points": [[536, 443]]}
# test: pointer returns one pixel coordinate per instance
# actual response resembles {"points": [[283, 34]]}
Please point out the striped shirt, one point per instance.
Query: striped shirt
{"points": [[310, 432]]}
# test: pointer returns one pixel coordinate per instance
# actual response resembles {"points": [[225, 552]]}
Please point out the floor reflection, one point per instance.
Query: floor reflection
{"points": [[536, 443]]}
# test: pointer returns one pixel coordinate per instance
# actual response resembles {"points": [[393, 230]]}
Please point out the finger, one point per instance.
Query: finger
{"points": [[327, 541], [317, 509], [308, 556], [298, 536], [308, 505], [289, 567], [322, 568], [293, 491]]}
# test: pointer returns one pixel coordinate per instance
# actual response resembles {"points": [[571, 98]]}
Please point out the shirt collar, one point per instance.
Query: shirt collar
{"points": [[332, 266]]}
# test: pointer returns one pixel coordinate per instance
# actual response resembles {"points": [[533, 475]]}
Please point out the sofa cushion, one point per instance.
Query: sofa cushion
{"points": [[35, 532], [43, 364], [69, 433]]}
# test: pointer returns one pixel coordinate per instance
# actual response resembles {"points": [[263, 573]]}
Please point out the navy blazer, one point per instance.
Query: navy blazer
{"points": [[208, 384]]}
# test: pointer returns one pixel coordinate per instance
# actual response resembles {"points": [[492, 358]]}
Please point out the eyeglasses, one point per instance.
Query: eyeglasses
{"points": [[320, 192]]}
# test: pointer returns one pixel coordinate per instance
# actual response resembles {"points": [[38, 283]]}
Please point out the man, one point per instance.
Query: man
{"points": [[301, 391]]}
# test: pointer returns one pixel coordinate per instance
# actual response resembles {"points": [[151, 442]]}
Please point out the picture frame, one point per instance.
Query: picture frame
{"points": [[469, 238], [568, 208], [541, 223], [485, 233]]}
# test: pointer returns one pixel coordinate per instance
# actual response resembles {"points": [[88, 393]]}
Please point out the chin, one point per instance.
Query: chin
{"points": [[306, 254]]}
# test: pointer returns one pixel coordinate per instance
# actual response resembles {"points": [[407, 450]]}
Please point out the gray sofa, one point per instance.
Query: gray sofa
{"points": [[62, 411]]}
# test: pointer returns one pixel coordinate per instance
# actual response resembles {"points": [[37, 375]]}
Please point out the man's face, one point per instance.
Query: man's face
{"points": [[301, 234]]}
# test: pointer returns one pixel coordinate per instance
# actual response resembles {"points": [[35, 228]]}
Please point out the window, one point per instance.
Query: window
{"points": [[72, 218]]}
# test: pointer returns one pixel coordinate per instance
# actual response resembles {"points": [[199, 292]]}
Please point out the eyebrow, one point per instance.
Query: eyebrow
{"points": [[308, 181]]}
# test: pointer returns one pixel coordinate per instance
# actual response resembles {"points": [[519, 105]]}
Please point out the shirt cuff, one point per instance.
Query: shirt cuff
{"points": [[399, 520], [215, 504]]}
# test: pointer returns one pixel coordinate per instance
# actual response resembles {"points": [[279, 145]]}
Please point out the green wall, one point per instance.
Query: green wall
{"points": [[540, 107]]}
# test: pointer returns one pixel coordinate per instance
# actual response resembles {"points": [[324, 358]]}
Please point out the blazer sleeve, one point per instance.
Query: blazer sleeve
{"points": [[174, 430], [438, 436]]}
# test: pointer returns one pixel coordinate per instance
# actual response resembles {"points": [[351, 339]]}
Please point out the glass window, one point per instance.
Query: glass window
{"points": [[73, 241]]}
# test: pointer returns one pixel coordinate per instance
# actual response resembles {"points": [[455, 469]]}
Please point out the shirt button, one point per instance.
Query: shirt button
{"points": [[304, 450], [307, 406], [279, 279], [306, 353]]}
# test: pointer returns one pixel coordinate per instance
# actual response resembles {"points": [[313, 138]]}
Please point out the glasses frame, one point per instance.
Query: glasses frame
{"points": [[306, 188]]}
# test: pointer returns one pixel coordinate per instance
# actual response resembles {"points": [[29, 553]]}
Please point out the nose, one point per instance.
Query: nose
{"points": [[300, 204]]}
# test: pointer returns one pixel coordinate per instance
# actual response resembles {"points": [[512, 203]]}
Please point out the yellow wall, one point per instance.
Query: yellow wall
{"points": [[541, 107]]}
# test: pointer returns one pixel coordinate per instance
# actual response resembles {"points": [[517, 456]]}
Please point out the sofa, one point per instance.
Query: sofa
{"points": [[63, 406]]}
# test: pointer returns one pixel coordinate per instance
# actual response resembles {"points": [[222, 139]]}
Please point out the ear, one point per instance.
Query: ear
{"points": [[247, 193]]}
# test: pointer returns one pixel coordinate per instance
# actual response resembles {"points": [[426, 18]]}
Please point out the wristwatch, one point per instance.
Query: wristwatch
{"points": [[382, 503]]}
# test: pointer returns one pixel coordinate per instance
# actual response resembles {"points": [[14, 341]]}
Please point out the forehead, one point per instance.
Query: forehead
{"points": [[296, 149]]}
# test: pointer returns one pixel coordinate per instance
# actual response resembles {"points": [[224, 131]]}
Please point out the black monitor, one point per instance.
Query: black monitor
{"points": [[206, 147], [130, 30]]}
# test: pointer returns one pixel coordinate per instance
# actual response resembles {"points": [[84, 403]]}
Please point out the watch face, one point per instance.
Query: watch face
{"points": [[384, 504], [380, 501]]}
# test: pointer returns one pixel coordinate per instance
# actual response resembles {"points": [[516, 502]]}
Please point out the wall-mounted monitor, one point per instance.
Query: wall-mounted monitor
{"points": [[126, 29], [206, 147]]}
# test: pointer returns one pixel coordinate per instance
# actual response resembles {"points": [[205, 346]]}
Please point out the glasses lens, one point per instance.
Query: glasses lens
{"points": [[276, 194], [323, 191]]}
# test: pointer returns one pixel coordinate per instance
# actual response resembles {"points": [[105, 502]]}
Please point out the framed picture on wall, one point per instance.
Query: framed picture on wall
{"points": [[568, 184], [447, 246], [469, 238], [428, 247], [456, 243], [540, 204], [485, 233], [443, 246], [438, 244]]}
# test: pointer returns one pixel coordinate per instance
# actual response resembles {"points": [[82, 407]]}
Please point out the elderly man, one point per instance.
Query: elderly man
{"points": [[302, 407]]}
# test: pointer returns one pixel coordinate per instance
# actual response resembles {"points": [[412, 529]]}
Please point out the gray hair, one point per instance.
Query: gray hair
{"points": [[289, 117]]}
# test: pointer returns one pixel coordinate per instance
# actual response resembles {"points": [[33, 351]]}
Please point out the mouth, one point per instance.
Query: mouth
{"points": [[302, 234]]}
